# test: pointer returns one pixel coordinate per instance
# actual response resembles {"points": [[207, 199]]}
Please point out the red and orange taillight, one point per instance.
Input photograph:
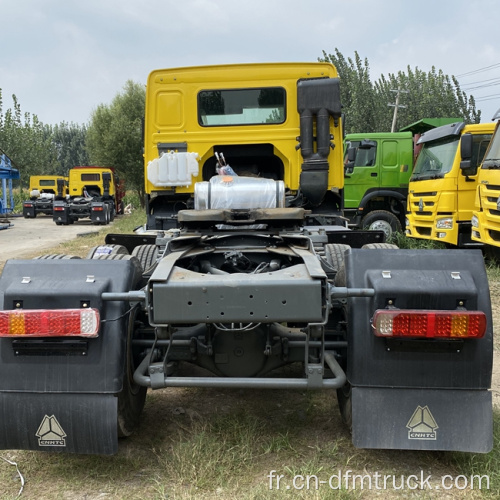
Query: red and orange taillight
{"points": [[49, 323], [416, 323]]}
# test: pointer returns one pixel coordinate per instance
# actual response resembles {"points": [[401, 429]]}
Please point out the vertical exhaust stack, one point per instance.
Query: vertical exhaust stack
{"points": [[60, 189], [317, 101], [106, 183]]}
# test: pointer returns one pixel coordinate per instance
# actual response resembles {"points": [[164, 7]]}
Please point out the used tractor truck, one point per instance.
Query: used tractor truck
{"points": [[444, 181], [43, 190], [95, 193], [486, 215], [244, 267]]}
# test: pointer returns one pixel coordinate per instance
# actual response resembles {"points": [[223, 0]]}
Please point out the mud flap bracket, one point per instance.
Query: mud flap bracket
{"points": [[422, 419]]}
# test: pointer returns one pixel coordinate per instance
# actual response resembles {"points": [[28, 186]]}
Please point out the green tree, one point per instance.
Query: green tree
{"points": [[359, 100], [426, 95], [69, 141], [27, 142], [114, 136]]}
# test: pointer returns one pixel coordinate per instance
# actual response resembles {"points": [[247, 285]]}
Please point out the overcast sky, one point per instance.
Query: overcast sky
{"points": [[63, 58]]}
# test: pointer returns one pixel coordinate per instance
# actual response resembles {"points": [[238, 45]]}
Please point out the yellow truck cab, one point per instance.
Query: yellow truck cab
{"points": [[43, 189], [46, 184], [486, 215], [278, 121], [443, 183], [94, 192], [88, 181]]}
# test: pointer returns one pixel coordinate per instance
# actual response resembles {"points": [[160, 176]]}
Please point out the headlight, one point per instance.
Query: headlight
{"points": [[407, 222], [444, 223], [475, 221]]}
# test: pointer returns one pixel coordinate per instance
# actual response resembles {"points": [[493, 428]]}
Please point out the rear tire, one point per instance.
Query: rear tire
{"points": [[107, 215], [132, 397], [147, 255], [334, 255], [344, 400], [54, 256], [112, 249], [386, 246]]}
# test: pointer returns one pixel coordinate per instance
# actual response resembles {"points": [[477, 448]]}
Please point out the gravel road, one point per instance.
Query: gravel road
{"points": [[24, 236]]}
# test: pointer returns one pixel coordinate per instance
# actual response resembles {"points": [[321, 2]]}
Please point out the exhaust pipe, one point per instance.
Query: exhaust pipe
{"points": [[317, 101]]}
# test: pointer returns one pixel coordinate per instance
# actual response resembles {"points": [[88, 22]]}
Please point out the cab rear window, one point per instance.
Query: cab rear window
{"points": [[255, 106]]}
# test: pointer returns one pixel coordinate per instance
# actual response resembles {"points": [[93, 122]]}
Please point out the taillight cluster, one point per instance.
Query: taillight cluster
{"points": [[416, 323], [49, 323]]}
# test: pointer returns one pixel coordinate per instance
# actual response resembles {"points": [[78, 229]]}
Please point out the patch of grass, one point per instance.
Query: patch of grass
{"points": [[214, 454], [402, 241], [132, 198], [475, 465], [80, 246], [493, 270]]}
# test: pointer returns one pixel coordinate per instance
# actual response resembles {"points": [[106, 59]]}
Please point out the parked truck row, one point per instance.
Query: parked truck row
{"points": [[448, 194], [246, 265], [89, 192], [377, 171]]}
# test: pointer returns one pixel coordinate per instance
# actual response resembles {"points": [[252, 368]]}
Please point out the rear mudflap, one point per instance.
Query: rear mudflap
{"points": [[74, 423], [422, 419], [419, 393]]}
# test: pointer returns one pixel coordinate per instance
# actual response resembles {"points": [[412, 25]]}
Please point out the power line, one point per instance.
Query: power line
{"points": [[487, 97], [480, 70], [488, 81], [468, 89]]}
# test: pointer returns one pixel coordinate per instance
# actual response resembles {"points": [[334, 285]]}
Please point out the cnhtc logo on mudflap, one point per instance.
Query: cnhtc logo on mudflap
{"points": [[50, 432], [422, 425]]}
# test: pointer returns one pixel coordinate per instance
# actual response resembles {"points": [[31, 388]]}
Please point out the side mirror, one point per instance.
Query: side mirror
{"points": [[466, 147], [466, 156], [349, 164], [351, 155]]}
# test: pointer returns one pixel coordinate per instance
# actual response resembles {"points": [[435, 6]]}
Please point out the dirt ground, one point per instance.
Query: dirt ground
{"points": [[22, 236]]}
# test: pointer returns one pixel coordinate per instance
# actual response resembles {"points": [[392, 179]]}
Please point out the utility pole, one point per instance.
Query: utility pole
{"points": [[396, 106]]}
